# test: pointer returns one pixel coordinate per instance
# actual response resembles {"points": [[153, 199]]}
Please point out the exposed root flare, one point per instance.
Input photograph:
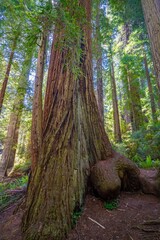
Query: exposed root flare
{"points": [[118, 173]]}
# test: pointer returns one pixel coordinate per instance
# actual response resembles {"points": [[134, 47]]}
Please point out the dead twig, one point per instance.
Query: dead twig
{"points": [[96, 222]]}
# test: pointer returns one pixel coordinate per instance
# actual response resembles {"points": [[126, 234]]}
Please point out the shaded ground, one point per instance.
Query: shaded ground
{"points": [[123, 223], [136, 218]]}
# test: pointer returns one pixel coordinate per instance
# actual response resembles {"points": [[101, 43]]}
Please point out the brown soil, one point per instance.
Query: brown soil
{"points": [[136, 218], [124, 223]]}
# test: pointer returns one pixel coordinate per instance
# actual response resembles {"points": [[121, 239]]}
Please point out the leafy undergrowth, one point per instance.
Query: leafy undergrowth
{"points": [[111, 205], [10, 192], [142, 147], [75, 216]]}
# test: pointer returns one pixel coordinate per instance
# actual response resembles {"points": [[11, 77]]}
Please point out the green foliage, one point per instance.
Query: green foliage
{"points": [[6, 198], [111, 205], [143, 146], [75, 216], [149, 163]]}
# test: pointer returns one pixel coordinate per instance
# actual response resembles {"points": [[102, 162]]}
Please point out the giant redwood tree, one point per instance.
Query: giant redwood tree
{"points": [[70, 143], [73, 136]]}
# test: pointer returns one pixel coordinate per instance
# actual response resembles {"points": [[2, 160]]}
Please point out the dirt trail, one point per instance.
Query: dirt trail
{"points": [[124, 223]]}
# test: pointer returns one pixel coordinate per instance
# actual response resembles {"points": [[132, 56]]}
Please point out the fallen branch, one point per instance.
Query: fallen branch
{"points": [[96, 222], [152, 222]]}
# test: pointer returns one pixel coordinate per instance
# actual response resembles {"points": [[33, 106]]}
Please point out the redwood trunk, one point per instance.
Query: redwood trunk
{"points": [[136, 109], [117, 130], [36, 134], [152, 18], [152, 102], [128, 115], [10, 146], [8, 155], [73, 137], [5, 81]]}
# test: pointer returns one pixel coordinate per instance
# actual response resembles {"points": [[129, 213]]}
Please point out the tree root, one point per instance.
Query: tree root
{"points": [[117, 173], [111, 176]]}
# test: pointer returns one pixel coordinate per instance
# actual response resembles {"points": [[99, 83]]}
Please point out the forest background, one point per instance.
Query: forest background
{"points": [[52, 54]]}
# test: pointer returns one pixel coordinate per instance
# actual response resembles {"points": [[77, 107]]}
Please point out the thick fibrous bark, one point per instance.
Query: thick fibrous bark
{"points": [[5, 81], [117, 130], [36, 134], [152, 18]]}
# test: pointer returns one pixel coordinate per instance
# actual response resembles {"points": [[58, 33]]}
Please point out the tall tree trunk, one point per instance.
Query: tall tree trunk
{"points": [[153, 106], [36, 133], [127, 109], [73, 136], [8, 155], [100, 85], [129, 116], [9, 151], [99, 64], [117, 130], [151, 11], [5, 81], [136, 108]]}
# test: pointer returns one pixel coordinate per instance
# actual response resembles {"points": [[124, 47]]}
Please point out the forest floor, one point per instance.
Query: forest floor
{"points": [[136, 218]]}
